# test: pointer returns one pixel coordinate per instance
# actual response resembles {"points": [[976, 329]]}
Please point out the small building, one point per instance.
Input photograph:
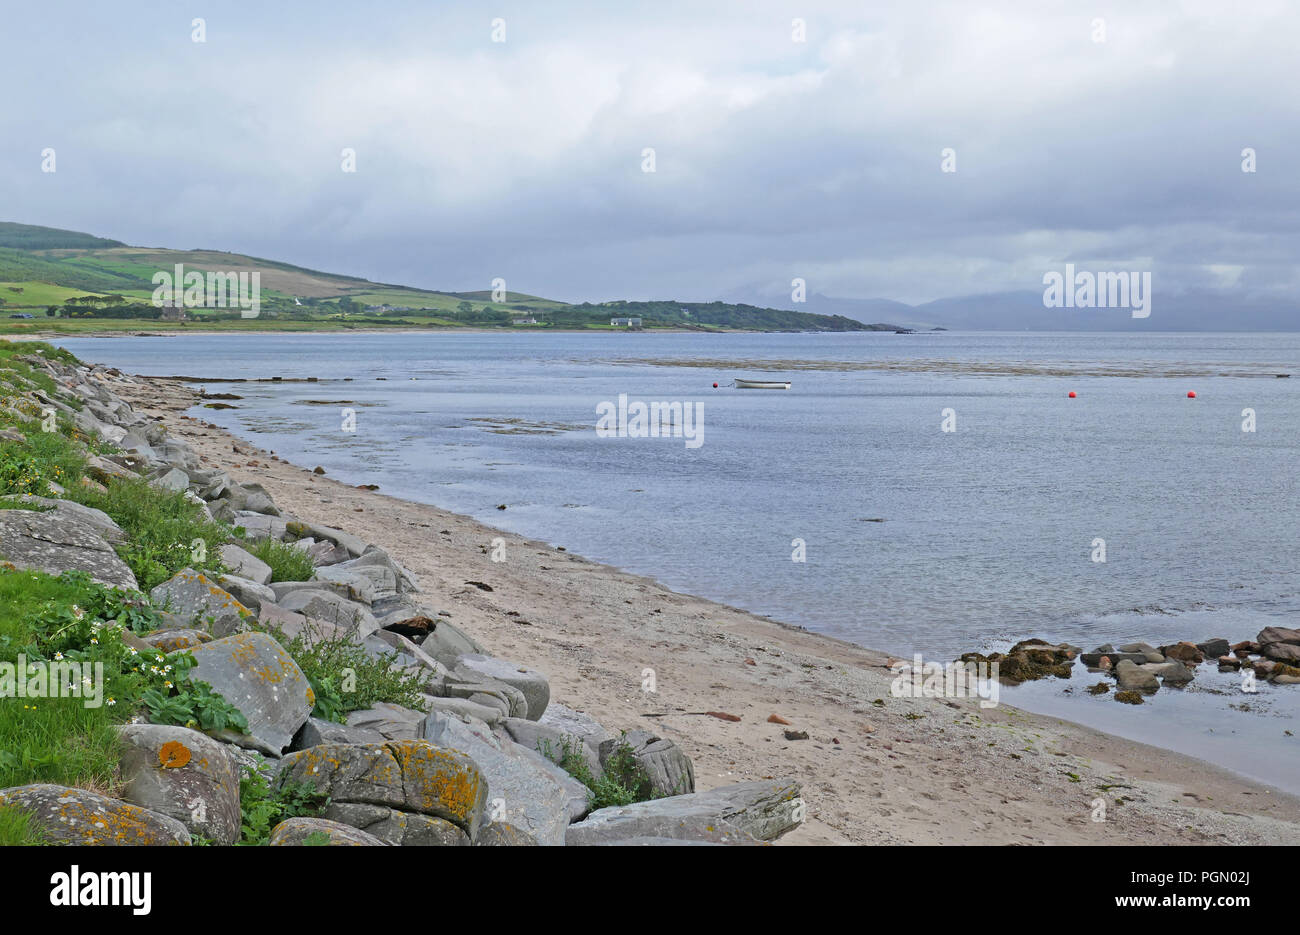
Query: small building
{"points": [[625, 322], [525, 321], [173, 313]]}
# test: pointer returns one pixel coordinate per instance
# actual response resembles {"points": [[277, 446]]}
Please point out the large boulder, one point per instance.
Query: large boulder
{"points": [[98, 520], [403, 829], [56, 542], [1278, 635], [245, 564], [198, 599], [535, 687], [299, 832], [520, 791], [318, 731], [766, 809], [575, 723], [554, 743], [658, 829], [185, 774], [258, 526], [254, 673], [249, 593], [78, 816], [330, 608], [355, 585], [300, 529], [409, 775], [1132, 677]]}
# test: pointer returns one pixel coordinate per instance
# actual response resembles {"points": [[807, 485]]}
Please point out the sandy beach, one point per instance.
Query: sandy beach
{"points": [[875, 769]]}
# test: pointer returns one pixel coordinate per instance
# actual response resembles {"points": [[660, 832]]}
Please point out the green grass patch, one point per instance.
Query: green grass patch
{"points": [[344, 677], [288, 562], [624, 781], [166, 532]]}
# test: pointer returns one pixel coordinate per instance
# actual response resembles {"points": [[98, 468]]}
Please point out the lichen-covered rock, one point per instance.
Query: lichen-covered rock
{"points": [[185, 774], [78, 816], [328, 607], [521, 792], [198, 599], [56, 542], [318, 731], [410, 775], [495, 834], [534, 686], [98, 520], [301, 832], [401, 829], [765, 809], [249, 593], [254, 673]]}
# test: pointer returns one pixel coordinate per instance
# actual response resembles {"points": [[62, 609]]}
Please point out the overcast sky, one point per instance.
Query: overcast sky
{"points": [[774, 158]]}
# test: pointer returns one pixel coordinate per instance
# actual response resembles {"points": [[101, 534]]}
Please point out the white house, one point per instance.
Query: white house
{"points": [[625, 322]]}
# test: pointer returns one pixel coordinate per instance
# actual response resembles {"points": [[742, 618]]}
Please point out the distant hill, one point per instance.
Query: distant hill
{"points": [[43, 266], [31, 237]]}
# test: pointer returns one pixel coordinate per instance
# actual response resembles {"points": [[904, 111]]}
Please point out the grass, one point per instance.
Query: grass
{"points": [[264, 804], [344, 677], [165, 531], [16, 828], [288, 563], [624, 781]]}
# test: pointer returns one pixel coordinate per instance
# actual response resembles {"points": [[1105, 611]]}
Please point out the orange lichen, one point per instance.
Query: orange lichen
{"points": [[173, 755]]}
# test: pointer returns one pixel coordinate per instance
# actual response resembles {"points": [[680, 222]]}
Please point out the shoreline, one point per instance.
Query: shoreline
{"points": [[875, 769]]}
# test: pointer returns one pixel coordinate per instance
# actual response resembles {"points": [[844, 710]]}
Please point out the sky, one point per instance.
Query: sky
{"points": [[1108, 135]]}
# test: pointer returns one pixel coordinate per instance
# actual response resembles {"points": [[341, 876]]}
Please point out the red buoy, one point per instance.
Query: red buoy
{"points": [[1191, 394], [715, 386], [1072, 394]]}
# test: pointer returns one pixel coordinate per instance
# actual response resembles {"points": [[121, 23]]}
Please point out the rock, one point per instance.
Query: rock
{"points": [[495, 834], [1095, 659], [197, 598], [534, 686], [386, 578], [519, 791], [408, 654], [1184, 652], [577, 723], [409, 775], [245, 564], [392, 722], [1133, 677], [1229, 663], [250, 498], [1245, 648], [174, 638], [463, 708], [1133, 697], [56, 542], [398, 828], [318, 731], [249, 593], [98, 520], [1146, 650], [669, 769], [552, 742], [507, 700], [354, 585], [254, 673], [301, 530], [1214, 648], [1281, 652], [198, 787], [294, 832], [331, 608], [660, 830], [273, 617], [79, 816], [1278, 635], [1173, 673], [765, 809], [258, 526], [174, 480]]}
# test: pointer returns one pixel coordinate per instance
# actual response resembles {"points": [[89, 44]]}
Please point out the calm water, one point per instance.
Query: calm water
{"points": [[916, 539]]}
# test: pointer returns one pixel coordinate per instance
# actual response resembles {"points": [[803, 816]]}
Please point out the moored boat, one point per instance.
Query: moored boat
{"points": [[762, 385]]}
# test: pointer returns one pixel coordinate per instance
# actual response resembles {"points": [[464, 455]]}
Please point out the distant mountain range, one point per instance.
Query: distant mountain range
{"points": [[1205, 310]]}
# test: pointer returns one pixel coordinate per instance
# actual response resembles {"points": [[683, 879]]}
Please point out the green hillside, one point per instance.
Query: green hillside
{"points": [[64, 281]]}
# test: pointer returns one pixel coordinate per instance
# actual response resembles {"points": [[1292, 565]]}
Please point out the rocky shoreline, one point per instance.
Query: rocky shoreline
{"points": [[478, 762], [740, 702]]}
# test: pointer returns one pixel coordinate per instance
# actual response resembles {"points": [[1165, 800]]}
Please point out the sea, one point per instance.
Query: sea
{"points": [[931, 493]]}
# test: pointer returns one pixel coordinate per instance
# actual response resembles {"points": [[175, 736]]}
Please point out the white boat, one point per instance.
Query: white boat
{"points": [[761, 385]]}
